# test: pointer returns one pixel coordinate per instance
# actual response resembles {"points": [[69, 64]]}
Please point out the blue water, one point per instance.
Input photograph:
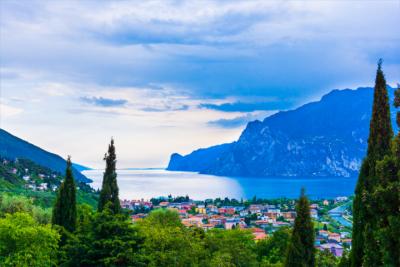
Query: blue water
{"points": [[148, 183], [316, 188]]}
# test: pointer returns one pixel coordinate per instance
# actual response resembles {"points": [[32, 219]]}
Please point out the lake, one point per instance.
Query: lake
{"points": [[148, 183]]}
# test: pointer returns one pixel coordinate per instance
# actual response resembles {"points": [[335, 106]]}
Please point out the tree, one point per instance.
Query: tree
{"points": [[272, 250], [379, 145], [109, 190], [104, 239], [167, 242], [64, 211], [24, 242], [387, 197], [233, 248], [301, 251]]}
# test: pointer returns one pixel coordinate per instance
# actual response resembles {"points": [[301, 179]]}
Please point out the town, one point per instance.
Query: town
{"points": [[332, 218]]}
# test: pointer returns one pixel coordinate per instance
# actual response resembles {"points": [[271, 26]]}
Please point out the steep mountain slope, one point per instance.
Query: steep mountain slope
{"points": [[12, 147], [323, 138]]}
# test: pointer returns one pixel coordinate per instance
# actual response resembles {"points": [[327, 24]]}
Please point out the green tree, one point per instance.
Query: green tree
{"points": [[64, 211], [10, 204], [104, 239], [365, 217], [272, 250], [301, 251], [387, 198], [109, 190], [168, 243], [24, 242], [233, 247], [325, 259]]}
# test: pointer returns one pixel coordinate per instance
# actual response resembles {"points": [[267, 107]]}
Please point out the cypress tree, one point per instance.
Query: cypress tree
{"points": [[387, 195], [301, 251], [365, 249], [109, 190], [64, 211]]}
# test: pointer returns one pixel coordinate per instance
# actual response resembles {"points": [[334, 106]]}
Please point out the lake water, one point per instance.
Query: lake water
{"points": [[148, 183]]}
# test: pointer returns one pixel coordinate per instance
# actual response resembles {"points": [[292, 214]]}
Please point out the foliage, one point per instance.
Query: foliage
{"points": [[236, 247], [301, 251], [103, 239], [11, 204], [109, 190], [167, 242], [364, 207], [325, 259], [24, 242], [64, 211], [273, 249]]}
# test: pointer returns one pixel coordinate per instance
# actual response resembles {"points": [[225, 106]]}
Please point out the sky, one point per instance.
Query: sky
{"points": [[172, 76]]}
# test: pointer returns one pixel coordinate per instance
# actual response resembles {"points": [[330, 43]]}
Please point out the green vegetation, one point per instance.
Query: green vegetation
{"points": [[377, 200], [109, 190], [25, 242], [64, 211], [301, 251]]}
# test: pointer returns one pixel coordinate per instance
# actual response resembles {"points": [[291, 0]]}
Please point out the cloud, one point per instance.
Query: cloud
{"points": [[166, 108], [104, 102], [246, 107], [9, 111], [231, 123]]}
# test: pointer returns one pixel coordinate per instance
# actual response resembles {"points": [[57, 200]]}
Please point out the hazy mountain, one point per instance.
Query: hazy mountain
{"points": [[323, 138], [13, 147]]}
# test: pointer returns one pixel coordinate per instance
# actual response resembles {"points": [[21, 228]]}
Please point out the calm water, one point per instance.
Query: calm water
{"points": [[135, 184]]}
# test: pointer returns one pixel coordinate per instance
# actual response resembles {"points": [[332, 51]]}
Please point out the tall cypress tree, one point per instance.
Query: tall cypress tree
{"points": [[301, 251], [109, 190], [387, 196], [64, 211], [364, 206]]}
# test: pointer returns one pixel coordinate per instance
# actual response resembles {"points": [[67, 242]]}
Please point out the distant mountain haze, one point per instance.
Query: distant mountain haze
{"points": [[13, 147], [323, 138]]}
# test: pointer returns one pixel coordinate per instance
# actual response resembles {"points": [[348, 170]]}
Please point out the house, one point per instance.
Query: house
{"points": [[212, 208], [201, 210], [334, 237], [334, 248], [289, 215], [259, 234], [164, 204], [262, 223], [42, 186], [255, 209], [314, 213], [323, 233], [192, 221], [231, 223], [325, 202], [244, 213]]}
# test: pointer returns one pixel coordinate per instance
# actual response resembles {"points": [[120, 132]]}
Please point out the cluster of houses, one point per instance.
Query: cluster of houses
{"points": [[30, 181], [334, 242], [261, 219]]}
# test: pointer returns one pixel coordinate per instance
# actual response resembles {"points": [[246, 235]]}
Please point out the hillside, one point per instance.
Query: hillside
{"points": [[323, 138], [24, 177], [12, 147]]}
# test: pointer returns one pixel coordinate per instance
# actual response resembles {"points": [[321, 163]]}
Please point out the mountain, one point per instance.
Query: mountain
{"points": [[12, 147], [323, 138]]}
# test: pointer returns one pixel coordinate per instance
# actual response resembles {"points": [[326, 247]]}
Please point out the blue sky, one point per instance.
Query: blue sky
{"points": [[172, 76]]}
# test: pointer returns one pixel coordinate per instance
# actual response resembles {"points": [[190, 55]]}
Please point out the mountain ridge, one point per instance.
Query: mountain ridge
{"points": [[14, 147], [321, 138]]}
